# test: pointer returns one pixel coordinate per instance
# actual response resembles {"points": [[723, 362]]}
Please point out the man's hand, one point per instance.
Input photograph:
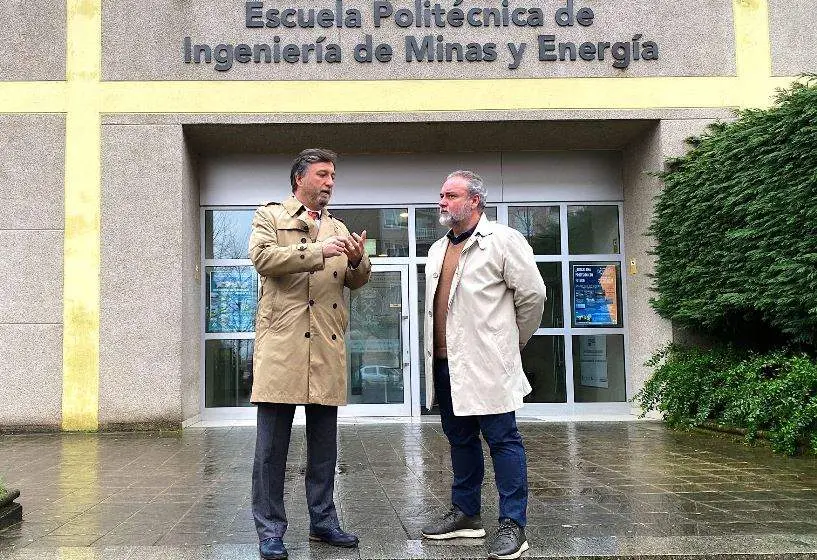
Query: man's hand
{"points": [[355, 248], [334, 246]]}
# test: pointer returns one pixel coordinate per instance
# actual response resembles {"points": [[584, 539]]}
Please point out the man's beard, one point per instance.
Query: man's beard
{"points": [[449, 219]]}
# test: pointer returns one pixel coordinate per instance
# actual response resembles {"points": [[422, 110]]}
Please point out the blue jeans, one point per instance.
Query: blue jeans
{"points": [[507, 454]]}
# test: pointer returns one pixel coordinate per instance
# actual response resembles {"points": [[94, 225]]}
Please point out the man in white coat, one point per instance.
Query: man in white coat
{"points": [[485, 299]]}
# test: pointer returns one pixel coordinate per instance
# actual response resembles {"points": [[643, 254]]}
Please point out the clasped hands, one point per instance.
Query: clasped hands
{"points": [[353, 246]]}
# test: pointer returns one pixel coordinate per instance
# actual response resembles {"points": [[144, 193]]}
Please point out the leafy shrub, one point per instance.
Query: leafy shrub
{"points": [[736, 228], [774, 393]]}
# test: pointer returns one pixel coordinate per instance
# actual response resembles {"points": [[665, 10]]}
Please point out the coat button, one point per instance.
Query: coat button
{"points": [[334, 337], [306, 335], [428, 352], [303, 239], [435, 275], [311, 302], [334, 306], [335, 274], [303, 257], [429, 313]]}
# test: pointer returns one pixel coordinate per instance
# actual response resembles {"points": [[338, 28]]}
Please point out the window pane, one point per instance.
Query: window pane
{"points": [[231, 298], [421, 310], [374, 344], [598, 368], [543, 360], [540, 225], [227, 372], [386, 229], [596, 297], [592, 230], [429, 229], [227, 233], [553, 316]]}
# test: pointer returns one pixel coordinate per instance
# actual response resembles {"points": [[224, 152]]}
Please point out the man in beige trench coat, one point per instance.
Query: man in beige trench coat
{"points": [[305, 257], [485, 298]]}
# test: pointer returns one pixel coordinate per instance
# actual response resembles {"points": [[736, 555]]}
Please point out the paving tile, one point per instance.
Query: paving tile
{"points": [[120, 538], [52, 541], [188, 494]]}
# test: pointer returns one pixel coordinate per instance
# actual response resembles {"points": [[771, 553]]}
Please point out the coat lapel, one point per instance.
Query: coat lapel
{"points": [[433, 268], [297, 211], [482, 231]]}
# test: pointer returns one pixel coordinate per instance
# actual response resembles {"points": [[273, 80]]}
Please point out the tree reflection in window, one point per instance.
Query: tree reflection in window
{"points": [[232, 296], [592, 230], [539, 225], [227, 233]]}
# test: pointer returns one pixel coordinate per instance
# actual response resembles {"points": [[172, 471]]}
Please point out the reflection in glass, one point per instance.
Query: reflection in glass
{"points": [[227, 233], [598, 368], [231, 298], [543, 360], [374, 345], [429, 229], [227, 372], [592, 230], [596, 296], [386, 229], [539, 225], [553, 316]]}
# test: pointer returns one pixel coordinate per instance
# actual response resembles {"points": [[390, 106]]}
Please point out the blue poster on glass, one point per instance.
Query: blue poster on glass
{"points": [[595, 295], [232, 299]]}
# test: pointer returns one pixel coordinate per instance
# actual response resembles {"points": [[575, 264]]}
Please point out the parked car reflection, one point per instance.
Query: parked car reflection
{"points": [[381, 383]]}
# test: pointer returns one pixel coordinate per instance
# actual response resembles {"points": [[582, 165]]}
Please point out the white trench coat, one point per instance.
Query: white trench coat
{"points": [[495, 305]]}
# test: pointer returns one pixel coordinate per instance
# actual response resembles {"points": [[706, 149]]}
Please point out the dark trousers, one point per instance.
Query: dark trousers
{"points": [[507, 454], [271, 447]]}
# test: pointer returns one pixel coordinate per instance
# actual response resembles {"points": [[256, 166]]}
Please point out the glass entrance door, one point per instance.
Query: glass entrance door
{"points": [[377, 349]]}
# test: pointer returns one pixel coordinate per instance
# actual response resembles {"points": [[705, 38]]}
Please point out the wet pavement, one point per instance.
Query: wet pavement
{"points": [[630, 489]]}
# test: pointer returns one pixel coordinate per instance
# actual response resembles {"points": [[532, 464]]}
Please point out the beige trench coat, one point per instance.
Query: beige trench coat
{"points": [[300, 353], [495, 305]]}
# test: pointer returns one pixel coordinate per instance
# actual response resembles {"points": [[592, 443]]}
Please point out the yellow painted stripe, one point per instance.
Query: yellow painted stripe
{"points": [[33, 97], [80, 390], [429, 95], [445, 95], [80, 393], [753, 51], [752, 46], [83, 40]]}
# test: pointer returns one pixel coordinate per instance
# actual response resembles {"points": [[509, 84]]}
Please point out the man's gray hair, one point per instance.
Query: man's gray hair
{"points": [[475, 185], [307, 157]]}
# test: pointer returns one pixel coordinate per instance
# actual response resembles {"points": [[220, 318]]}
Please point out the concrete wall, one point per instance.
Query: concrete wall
{"points": [[149, 245], [33, 39], [792, 37], [695, 38], [31, 253], [647, 331], [191, 293]]}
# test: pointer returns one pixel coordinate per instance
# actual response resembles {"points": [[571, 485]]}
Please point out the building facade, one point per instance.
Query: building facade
{"points": [[137, 139]]}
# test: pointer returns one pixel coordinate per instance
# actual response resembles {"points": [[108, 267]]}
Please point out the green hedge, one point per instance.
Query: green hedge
{"points": [[774, 393], [736, 228]]}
